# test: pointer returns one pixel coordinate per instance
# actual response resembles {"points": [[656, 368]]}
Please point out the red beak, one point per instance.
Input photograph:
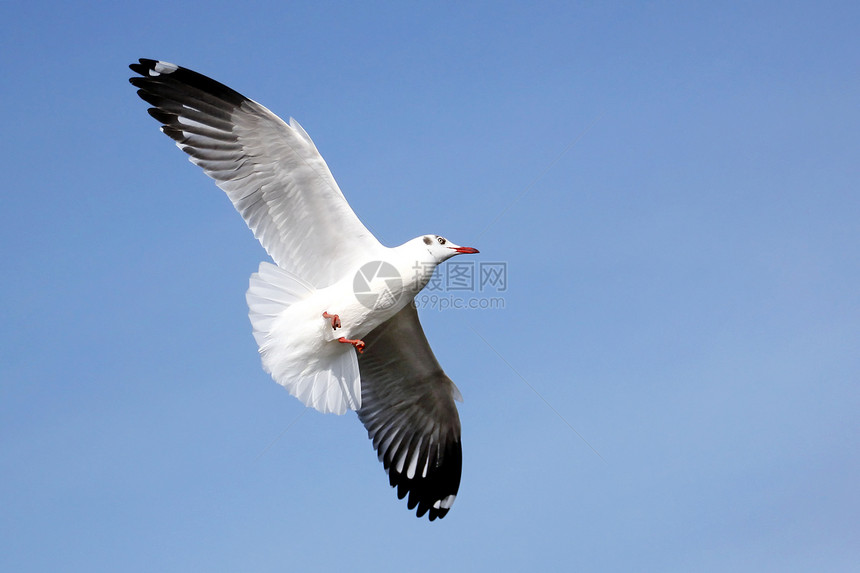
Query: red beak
{"points": [[465, 250]]}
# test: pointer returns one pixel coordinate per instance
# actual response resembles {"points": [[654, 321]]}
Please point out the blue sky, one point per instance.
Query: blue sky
{"points": [[672, 186]]}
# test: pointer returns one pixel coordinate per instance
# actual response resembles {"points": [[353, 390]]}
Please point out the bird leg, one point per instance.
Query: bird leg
{"points": [[335, 320], [359, 344], [335, 324]]}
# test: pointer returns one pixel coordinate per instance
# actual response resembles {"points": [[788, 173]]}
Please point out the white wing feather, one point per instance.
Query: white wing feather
{"points": [[270, 169]]}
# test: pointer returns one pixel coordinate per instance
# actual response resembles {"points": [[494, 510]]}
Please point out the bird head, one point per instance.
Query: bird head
{"points": [[441, 249]]}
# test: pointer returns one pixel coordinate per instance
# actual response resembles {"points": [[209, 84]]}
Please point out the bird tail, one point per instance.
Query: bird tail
{"points": [[324, 378], [272, 290]]}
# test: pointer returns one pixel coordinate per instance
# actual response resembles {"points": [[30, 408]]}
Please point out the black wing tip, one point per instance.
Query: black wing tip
{"points": [[162, 116], [152, 68], [435, 494], [155, 71], [141, 65]]}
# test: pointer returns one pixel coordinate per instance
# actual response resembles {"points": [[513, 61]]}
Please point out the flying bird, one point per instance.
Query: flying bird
{"points": [[334, 317]]}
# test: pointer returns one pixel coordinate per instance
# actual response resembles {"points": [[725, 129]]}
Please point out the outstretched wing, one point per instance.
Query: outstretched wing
{"points": [[409, 412], [271, 170]]}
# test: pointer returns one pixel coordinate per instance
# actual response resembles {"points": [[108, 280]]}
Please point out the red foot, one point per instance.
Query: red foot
{"points": [[359, 344], [335, 320]]}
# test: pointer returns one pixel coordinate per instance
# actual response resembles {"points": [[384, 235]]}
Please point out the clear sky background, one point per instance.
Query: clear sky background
{"points": [[672, 185]]}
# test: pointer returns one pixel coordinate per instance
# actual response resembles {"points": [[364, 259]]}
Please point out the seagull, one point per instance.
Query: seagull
{"points": [[334, 317]]}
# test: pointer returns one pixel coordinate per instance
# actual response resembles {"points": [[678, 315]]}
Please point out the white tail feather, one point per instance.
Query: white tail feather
{"points": [[321, 373]]}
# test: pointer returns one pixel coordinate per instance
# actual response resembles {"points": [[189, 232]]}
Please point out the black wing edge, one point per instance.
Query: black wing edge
{"points": [[433, 493], [439, 487], [155, 72], [175, 92], [399, 427]]}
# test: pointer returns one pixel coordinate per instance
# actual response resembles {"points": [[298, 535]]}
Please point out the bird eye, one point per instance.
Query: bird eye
{"points": [[441, 240]]}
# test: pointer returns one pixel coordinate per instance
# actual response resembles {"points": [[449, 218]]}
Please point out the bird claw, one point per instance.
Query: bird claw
{"points": [[335, 320], [359, 344]]}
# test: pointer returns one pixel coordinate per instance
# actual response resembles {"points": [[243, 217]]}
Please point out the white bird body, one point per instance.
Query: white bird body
{"points": [[301, 350], [410, 260], [333, 290]]}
